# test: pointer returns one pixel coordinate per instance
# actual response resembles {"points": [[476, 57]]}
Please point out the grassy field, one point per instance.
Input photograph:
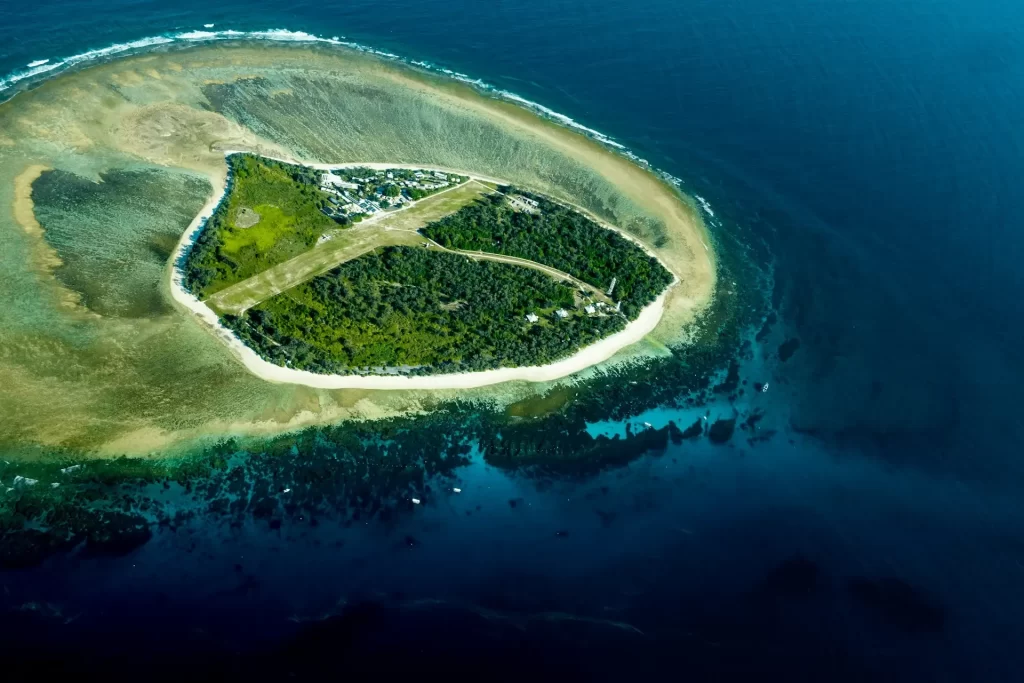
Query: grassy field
{"points": [[394, 229], [268, 218]]}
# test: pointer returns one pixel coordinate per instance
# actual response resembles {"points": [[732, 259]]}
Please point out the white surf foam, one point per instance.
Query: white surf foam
{"points": [[704, 203], [39, 67], [45, 65]]}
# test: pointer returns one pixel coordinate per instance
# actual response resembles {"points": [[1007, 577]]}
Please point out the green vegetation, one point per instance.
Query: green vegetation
{"points": [[534, 281], [290, 221], [421, 312], [559, 237]]}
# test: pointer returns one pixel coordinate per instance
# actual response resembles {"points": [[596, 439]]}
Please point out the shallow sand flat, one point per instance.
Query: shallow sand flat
{"points": [[97, 380], [23, 208]]}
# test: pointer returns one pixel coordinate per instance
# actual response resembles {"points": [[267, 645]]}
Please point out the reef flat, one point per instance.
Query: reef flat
{"points": [[104, 169]]}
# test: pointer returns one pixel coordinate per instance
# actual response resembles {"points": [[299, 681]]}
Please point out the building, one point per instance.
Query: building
{"points": [[590, 310], [521, 203], [328, 180], [531, 318], [440, 176], [562, 313]]}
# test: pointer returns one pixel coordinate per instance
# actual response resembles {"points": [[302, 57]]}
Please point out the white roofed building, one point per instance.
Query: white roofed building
{"points": [[328, 179]]}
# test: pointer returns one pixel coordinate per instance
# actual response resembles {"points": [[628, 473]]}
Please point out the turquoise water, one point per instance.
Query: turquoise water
{"points": [[865, 156]]}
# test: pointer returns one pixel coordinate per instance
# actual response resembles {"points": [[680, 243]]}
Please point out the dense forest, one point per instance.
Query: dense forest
{"points": [[420, 311], [286, 205], [560, 237]]}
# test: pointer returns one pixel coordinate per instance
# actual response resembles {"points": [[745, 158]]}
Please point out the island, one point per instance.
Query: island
{"points": [[361, 271], [114, 168]]}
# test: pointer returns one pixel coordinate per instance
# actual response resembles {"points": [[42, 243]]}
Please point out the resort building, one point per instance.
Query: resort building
{"points": [[328, 180], [531, 317], [562, 313], [524, 204], [590, 309]]}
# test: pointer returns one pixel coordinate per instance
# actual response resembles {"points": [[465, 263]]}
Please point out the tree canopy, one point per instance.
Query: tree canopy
{"points": [[560, 237], [420, 312]]}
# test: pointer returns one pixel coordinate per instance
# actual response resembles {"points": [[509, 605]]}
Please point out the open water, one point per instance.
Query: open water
{"points": [[876, 149]]}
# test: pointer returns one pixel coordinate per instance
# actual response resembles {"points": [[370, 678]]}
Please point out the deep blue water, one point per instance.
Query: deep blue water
{"points": [[877, 146]]}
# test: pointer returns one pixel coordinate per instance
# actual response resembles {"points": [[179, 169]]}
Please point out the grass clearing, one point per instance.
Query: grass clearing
{"points": [[271, 214], [262, 234]]}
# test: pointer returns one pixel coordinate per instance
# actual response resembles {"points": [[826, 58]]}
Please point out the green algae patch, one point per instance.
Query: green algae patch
{"points": [[541, 406]]}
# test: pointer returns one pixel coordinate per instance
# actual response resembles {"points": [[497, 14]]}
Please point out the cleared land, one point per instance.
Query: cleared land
{"points": [[391, 229]]}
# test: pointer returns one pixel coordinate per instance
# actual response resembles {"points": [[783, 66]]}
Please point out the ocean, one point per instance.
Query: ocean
{"points": [[865, 154]]}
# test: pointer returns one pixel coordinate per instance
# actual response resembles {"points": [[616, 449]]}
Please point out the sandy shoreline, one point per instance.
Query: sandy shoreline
{"points": [[586, 357]]}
